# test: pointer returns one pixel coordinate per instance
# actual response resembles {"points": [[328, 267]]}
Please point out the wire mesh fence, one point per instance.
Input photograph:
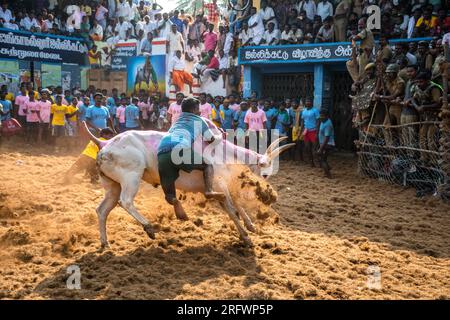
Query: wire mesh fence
{"points": [[408, 154]]}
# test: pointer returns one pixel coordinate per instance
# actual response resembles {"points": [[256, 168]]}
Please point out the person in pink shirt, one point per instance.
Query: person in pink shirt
{"points": [[233, 105], [20, 101], [32, 115], [210, 39], [174, 111], [145, 108], [255, 119], [45, 106], [120, 115], [205, 107]]}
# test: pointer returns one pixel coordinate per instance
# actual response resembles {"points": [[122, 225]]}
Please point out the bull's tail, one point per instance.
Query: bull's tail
{"points": [[100, 144]]}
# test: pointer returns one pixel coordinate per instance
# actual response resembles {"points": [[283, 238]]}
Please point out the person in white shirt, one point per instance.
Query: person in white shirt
{"points": [[106, 58], [178, 75], [134, 12], [229, 40], [112, 6], [113, 40], [297, 35], [164, 25], [271, 36], [245, 36], [224, 65], [255, 23], [286, 35], [11, 25], [124, 10], [100, 15], [146, 25], [28, 22], [324, 9], [122, 27], [310, 7], [193, 54], [174, 41], [267, 14], [5, 13], [156, 9], [412, 22], [52, 4], [96, 32]]}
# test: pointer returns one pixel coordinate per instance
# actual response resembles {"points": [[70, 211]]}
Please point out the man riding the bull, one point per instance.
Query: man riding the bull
{"points": [[176, 144]]}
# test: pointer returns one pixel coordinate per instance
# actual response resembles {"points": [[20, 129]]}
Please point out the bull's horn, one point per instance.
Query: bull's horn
{"points": [[274, 144], [281, 149]]}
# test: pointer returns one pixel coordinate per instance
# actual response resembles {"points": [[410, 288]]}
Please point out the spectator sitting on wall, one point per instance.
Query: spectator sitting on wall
{"points": [[178, 75], [96, 32], [271, 36], [245, 36], [146, 45], [326, 32], [255, 23]]}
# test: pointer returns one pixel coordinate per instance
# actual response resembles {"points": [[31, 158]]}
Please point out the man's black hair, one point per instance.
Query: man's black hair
{"points": [[424, 75], [189, 105], [106, 131]]}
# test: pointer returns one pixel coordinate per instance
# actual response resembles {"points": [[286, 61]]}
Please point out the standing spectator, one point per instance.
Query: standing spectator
{"points": [[174, 41], [120, 114], [425, 24], [210, 39], [19, 102], [309, 126], [310, 7], [94, 57], [442, 23], [229, 42], [6, 114], [164, 25], [412, 22], [367, 43], [255, 119], [326, 141], [205, 108], [267, 14], [213, 12], [255, 23], [226, 116], [177, 22], [174, 111], [44, 106], [196, 29], [97, 116], [286, 35], [324, 9], [340, 20], [124, 10], [132, 120], [101, 14], [58, 119]]}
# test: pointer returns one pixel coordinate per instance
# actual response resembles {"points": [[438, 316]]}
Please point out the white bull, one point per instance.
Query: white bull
{"points": [[130, 157]]}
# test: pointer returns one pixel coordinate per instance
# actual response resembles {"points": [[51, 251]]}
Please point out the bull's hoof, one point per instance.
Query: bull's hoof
{"points": [[150, 231], [104, 246], [247, 242]]}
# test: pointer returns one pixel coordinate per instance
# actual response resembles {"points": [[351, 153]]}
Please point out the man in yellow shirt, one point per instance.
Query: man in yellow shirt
{"points": [[425, 23], [58, 113], [94, 57], [87, 159]]}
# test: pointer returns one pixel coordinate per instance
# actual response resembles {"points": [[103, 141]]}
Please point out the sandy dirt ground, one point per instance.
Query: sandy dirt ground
{"points": [[323, 239]]}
